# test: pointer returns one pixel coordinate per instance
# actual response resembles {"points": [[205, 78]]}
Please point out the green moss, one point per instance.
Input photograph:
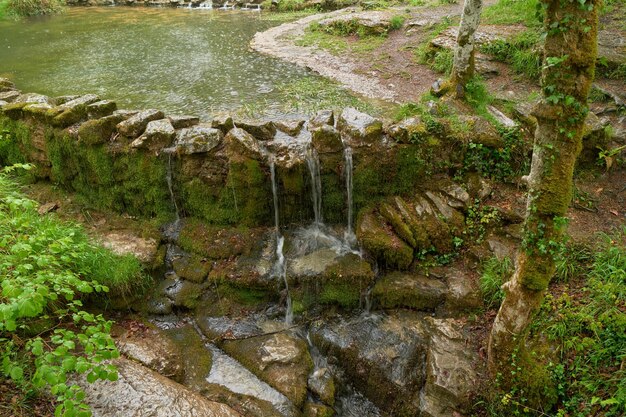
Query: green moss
{"points": [[333, 198], [15, 141], [14, 110], [246, 296], [400, 227], [193, 268], [131, 182], [98, 131], [382, 243], [215, 242], [343, 294]]}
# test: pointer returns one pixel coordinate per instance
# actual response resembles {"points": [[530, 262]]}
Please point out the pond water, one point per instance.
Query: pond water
{"points": [[178, 60]]}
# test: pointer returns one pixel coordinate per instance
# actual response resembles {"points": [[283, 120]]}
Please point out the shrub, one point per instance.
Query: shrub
{"points": [[47, 269], [26, 8]]}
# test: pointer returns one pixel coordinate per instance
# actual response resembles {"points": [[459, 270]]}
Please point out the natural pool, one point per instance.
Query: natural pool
{"points": [[179, 60]]}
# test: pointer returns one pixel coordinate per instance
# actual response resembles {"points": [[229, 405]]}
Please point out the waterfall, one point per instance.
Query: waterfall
{"points": [[280, 267], [313, 162], [349, 236], [170, 187]]}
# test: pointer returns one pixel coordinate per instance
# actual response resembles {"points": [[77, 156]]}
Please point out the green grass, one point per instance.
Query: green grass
{"points": [[495, 273], [510, 12], [28, 8], [522, 52]]}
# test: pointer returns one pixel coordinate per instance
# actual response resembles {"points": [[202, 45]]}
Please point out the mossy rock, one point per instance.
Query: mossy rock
{"points": [[192, 268], [197, 359], [399, 290], [215, 242], [344, 281], [378, 238], [14, 110], [98, 131], [318, 410]]}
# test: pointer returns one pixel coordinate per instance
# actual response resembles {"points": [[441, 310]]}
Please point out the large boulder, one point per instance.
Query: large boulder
{"points": [[140, 391], [281, 360], [398, 290], [383, 356]]}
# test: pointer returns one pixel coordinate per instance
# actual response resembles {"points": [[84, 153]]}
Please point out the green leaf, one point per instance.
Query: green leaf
{"points": [[17, 373]]}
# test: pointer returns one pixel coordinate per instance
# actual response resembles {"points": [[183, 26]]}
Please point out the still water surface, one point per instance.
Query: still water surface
{"points": [[179, 60]]}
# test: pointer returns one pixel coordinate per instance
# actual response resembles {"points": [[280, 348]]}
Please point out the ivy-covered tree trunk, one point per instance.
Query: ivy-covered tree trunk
{"points": [[463, 65], [569, 62]]}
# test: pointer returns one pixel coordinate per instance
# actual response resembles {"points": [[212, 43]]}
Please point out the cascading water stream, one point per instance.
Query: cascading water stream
{"points": [[349, 236], [280, 267]]}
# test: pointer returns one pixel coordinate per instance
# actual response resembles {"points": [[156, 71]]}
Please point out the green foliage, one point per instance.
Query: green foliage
{"points": [[589, 327], [500, 164], [572, 261], [479, 218], [495, 273], [46, 269], [27, 8], [522, 52]]}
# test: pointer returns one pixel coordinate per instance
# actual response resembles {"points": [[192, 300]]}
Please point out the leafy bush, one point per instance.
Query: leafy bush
{"points": [[26, 8], [495, 273], [47, 268]]}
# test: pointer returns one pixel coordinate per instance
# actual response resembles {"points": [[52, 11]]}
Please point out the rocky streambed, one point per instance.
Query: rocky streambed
{"points": [[303, 267]]}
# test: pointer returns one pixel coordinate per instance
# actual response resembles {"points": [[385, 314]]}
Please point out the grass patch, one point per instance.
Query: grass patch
{"points": [[495, 273], [438, 59], [522, 52], [28, 8], [47, 269], [312, 94], [510, 12]]}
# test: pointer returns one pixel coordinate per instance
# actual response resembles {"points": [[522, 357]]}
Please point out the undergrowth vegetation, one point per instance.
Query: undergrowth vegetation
{"points": [[27, 8], [48, 269], [579, 335]]}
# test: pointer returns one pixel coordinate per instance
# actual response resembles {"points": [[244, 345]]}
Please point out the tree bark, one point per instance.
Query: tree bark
{"points": [[463, 65], [570, 51]]}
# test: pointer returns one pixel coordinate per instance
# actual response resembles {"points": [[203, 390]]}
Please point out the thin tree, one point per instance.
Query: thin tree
{"points": [[463, 65], [570, 50]]}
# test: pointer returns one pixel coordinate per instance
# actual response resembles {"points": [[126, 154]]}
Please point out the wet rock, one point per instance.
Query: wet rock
{"points": [[33, 98], [360, 126], [326, 139], [79, 103], [125, 114], [136, 124], [140, 391], [180, 122], [322, 384], [182, 293], [383, 356], [6, 85], [101, 108], [149, 346], [242, 145], [290, 127], [377, 238], [260, 130], [450, 375], [9, 96], [197, 139], [220, 328], [282, 360], [192, 268], [195, 358], [321, 118], [98, 131], [158, 134], [411, 130], [397, 290]]}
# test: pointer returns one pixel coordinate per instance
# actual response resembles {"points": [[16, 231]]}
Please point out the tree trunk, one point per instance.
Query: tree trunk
{"points": [[463, 66], [569, 62]]}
